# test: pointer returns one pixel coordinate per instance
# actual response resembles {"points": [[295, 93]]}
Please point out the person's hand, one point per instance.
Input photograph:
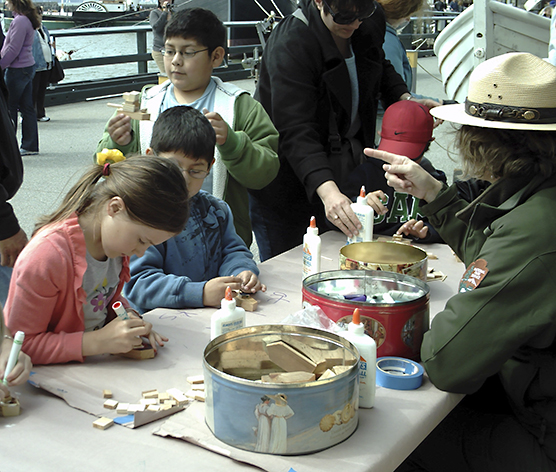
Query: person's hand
{"points": [[155, 339], [119, 129], [215, 289], [219, 125], [21, 371], [250, 282], [11, 247], [338, 208], [404, 175], [414, 228], [116, 337], [376, 200]]}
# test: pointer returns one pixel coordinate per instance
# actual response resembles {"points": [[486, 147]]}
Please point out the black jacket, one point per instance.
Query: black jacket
{"points": [[302, 76], [11, 167]]}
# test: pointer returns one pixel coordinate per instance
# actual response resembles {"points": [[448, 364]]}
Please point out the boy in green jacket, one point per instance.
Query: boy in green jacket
{"points": [[246, 139]]}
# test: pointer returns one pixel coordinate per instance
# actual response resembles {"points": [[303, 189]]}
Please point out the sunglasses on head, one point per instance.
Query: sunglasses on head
{"points": [[347, 18]]}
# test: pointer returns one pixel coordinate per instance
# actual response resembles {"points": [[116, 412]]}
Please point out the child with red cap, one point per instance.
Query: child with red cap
{"points": [[406, 130]]}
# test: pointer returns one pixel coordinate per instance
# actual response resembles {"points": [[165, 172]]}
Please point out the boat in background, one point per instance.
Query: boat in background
{"points": [[97, 13], [486, 29]]}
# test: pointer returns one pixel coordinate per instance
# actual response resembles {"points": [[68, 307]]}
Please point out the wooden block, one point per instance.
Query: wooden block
{"points": [[150, 393], [200, 396], [288, 377], [163, 396], [146, 352], [148, 401], [153, 407], [327, 374], [133, 407], [107, 393], [110, 404], [198, 387], [246, 301], [122, 408], [340, 369], [196, 379], [137, 115], [103, 423], [132, 97], [288, 358], [130, 107], [171, 402], [177, 395], [190, 394], [9, 406]]}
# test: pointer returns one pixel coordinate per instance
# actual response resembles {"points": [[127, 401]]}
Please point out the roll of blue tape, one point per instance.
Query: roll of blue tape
{"points": [[398, 373]]}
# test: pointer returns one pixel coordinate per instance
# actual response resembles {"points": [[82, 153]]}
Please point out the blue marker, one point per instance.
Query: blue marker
{"points": [[14, 354]]}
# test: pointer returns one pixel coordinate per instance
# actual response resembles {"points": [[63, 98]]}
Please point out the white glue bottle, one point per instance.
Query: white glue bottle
{"points": [[311, 249], [367, 359], [228, 318], [366, 215]]}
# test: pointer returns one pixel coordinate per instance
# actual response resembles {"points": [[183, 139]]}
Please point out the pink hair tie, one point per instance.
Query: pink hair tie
{"points": [[106, 169]]}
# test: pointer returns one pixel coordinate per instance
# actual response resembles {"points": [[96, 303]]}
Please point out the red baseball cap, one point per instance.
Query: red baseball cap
{"points": [[406, 129]]}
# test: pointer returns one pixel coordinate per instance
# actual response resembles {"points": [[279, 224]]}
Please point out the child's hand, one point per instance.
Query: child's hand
{"points": [[20, 372], [250, 282], [215, 289], [414, 228], [219, 125], [376, 200], [153, 337], [119, 129], [116, 337]]}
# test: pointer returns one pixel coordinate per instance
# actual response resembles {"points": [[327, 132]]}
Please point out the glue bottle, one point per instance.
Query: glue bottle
{"points": [[366, 215], [311, 249], [228, 318], [367, 359]]}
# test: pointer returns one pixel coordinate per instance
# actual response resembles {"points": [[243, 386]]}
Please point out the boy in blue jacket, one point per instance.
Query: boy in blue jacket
{"points": [[193, 268]]}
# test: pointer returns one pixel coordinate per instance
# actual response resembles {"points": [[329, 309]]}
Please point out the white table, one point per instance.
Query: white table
{"points": [[49, 435]]}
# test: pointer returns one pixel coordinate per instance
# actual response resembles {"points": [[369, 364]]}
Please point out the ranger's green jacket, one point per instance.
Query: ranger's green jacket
{"points": [[506, 325]]}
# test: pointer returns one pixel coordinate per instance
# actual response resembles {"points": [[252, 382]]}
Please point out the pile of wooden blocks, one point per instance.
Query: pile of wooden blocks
{"points": [[152, 401], [303, 363]]}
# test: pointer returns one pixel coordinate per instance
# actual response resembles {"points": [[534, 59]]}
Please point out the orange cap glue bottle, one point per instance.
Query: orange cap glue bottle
{"points": [[366, 216], [229, 318], [311, 249], [367, 359]]}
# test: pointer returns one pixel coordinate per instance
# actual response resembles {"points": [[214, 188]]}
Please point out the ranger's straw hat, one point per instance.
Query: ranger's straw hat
{"points": [[511, 91]]}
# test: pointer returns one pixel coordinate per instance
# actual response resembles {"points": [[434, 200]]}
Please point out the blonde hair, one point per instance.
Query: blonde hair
{"points": [[397, 9], [153, 190], [498, 153]]}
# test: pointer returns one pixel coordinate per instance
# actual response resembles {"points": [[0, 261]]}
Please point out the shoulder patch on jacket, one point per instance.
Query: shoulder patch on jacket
{"points": [[473, 276]]}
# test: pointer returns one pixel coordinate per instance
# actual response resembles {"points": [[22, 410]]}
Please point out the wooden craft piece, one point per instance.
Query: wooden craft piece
{"points": [[9, 406], [110, 404], [107, 393], [163, 396], [131, 106], [196, 379], [289, 358], [122, 408], [178, 395], [340, 369], [145, 352], [150, 393], [103, 423], [327, 374], [288, 377], [246, 301]]}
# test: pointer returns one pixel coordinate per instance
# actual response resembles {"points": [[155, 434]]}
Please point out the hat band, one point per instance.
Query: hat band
{"points": [[493, 112]]}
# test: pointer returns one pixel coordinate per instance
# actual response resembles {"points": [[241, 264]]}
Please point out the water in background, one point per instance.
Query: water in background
{"points": [[87, 47]]}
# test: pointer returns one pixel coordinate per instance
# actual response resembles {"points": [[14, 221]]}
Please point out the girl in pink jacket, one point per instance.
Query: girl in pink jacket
{"points": [[67, 278]]}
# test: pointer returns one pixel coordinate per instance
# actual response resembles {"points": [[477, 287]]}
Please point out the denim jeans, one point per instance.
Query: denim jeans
{"points": [[19, 82], [5, 276]]}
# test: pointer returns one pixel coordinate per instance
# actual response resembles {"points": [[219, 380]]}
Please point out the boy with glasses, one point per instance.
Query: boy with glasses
{"points": [[322, 74], [246, 140], [193, 268]]}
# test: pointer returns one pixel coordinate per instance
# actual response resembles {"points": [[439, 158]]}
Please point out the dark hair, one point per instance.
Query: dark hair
{"points": [[186, 130], [347, 5], [397, 9], [27, 8], [506, 153], [199, 24], [153, 190]]}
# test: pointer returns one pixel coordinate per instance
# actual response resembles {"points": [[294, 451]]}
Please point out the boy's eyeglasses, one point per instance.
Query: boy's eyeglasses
{"points": [[196, 174], [184, 54], [347, 18]]}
